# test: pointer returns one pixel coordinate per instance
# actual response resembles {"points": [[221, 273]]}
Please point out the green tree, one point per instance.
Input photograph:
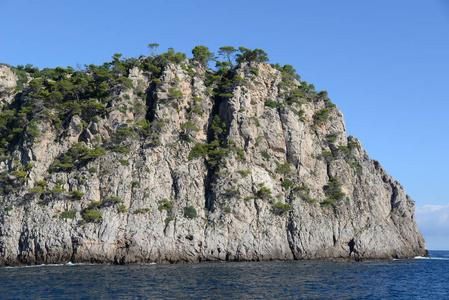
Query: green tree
{"points": [[153, 48], [248, 55], [227, 52], [202, 55]]}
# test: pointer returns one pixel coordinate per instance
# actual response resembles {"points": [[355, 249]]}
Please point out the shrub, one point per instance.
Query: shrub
{"points": [[244, 173], [124, 162], [333, 189], [265, 155], [189, 125], [92, 216], [121, 149], [168, 220], [264, 193], [281, 207], [190, 212], [135, 184], [122, 208], [42, 183], [232, 192], [327, 155], [327, 202], [320, 117], [95, 204], [175, 94], [273, 104], [164, 204], [76, 194], [331, 137], [112, 200], [68, 214], [287, 184], [358, 168], [352, 145], [92, 170], [37, 190], [284, 168]]}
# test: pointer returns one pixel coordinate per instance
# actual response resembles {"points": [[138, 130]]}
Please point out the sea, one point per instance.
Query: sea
{"points": [[418, 278]]}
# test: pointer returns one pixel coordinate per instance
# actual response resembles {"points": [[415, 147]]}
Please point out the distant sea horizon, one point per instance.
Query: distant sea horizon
{"points": [[417, 278]]}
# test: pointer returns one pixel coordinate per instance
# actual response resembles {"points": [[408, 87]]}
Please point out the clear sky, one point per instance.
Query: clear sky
{"points": [[384, 63]]}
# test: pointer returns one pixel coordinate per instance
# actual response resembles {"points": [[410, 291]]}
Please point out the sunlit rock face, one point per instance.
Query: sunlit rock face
{"points": [[185, 164]]}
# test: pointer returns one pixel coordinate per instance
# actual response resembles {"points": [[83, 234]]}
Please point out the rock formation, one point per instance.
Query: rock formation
{"points": [[146, 160]]}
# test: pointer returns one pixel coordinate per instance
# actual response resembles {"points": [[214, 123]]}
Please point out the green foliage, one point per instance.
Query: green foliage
{"points": [[284, 168], [153, 47], [77, 154], [76, 194], [227, 52], [37, 190], [265, 155], [299, 113], [248, 55], [320, 117], [9, 208], [95, 204], [331, 137], [41, 183], [167, 220], [352, 145], [328, 156], [333, 191], [327, 202], [288, 80], [92, 170], [282, 207], [189, 125], [343, 150], [287, 184], [264, 192], [123, 133], [175, 94], [111, 200], [91, 216], [358, 168], [190, 212], [124, 162], [273, 104], [164, 204], [144, 128], [121, 149], [232, 192], [122, 208], [212, 151], [68, 214], [202, 55], [244, 173], [135, 184]]}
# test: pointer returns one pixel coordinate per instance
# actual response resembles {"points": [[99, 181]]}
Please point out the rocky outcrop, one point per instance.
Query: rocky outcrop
{"points": [[181, 167]]}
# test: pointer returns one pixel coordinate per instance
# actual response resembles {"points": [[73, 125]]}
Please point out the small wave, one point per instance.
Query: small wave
{"points": [[36, 266], [432, 258], [152, 263]]}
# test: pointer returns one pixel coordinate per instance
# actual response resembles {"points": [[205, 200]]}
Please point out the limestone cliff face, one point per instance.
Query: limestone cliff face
{"points": [[179, 168]]}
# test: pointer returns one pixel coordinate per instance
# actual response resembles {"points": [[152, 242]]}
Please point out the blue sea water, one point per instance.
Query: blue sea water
{"points": [[419, 278]]}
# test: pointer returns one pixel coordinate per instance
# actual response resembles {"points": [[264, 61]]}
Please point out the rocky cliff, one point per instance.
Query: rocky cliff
{"points": [[159, 159]]}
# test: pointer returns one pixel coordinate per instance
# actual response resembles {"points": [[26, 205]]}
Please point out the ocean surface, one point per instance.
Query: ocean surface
{"points": [[419, 278]]}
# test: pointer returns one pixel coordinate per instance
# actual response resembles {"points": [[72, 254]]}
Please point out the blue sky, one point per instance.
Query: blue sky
{"points": [[384, 63]]}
